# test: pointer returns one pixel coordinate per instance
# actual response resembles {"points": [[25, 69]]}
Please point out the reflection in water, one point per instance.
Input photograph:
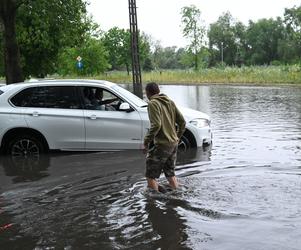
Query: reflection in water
{"points": [[243, 193], [194, 155], [26, 168], [11, 236], [167, 223]]}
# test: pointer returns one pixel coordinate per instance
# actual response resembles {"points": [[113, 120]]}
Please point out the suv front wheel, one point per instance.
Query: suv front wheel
{"points": [[25, 145], [184, 144]]}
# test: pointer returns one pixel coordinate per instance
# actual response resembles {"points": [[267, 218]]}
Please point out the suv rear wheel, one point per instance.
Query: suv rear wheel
{"points": [[26, 146]]}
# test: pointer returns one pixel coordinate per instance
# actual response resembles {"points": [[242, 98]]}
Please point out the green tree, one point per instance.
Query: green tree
{"points": [[2, 66], [157, 55], [181, 53], [165, 58], [41, 28], [171, 58], [187, 59], [193, 30], [94, 59], [226, 40], [145, 42], [148, 65], [290, 48], [117, 43], [263, 39], [45, 27], [240, 43]]}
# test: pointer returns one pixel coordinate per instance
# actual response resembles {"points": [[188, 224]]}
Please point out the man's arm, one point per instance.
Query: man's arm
{"points": [[155, 122], [180, 122], [108, 101]]}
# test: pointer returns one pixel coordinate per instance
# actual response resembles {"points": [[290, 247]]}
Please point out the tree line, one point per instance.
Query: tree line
{"points": [[45, 38]]}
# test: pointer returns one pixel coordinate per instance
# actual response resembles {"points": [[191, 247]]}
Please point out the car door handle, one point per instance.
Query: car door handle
{"points": [[93, 117], [35, 113]]}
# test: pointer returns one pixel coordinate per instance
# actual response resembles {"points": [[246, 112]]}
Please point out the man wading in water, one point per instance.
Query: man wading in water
{"points": [[167, 126]]}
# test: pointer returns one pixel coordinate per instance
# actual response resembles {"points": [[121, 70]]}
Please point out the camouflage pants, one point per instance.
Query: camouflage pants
{"points": [[161, 158]]}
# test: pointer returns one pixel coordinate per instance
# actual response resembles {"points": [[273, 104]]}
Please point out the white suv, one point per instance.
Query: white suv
{"points": [[65, 115]]}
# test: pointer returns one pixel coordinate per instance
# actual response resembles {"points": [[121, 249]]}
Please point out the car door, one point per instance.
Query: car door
{"points": [[107, 127], [55, 111]]}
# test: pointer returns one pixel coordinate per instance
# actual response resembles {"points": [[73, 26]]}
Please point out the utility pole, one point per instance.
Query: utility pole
{"points": [[136, 69]]}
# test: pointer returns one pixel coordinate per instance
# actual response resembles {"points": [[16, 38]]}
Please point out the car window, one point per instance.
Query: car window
{"points": [[47, 97], [130, 96], [100, 99], [1, 92], [22, 99]]}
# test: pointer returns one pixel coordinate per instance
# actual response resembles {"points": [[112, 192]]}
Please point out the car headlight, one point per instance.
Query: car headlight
{"points": [[200, 123]]}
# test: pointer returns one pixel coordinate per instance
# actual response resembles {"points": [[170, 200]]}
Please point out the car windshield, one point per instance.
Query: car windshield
{"points": [[2, 89], [130, 96]]}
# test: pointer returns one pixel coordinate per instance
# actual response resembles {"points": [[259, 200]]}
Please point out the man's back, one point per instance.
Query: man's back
{"points": [[164, 116]]}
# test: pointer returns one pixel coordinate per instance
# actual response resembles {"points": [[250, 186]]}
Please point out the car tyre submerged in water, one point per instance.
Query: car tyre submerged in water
{"points": [[25, 145], [184, 144]]}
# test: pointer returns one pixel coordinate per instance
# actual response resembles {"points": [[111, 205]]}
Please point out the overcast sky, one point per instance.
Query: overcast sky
{"points": [[162, 19]]}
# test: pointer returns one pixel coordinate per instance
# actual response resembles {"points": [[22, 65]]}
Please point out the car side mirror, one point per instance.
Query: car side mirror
{"points": [[125, 107]]}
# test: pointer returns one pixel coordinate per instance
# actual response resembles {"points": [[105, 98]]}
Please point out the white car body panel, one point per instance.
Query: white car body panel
{"points": [[63, 130], [10, 118], [202, 135], [112, 130]]}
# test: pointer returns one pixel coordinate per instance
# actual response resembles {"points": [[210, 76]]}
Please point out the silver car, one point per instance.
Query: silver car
{"points": [[66, 115]]}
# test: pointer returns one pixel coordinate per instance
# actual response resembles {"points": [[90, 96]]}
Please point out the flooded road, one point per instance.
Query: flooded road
{"points": [[243, 193]]}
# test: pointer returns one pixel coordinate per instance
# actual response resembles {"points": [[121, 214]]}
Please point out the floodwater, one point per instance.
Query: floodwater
{"points": [[244, 192]]}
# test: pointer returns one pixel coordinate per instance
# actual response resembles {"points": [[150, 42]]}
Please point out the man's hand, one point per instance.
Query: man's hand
{"points": [[145, 149]]}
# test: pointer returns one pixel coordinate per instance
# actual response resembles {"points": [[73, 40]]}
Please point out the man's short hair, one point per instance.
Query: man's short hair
{"points": [[152, 88]]}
